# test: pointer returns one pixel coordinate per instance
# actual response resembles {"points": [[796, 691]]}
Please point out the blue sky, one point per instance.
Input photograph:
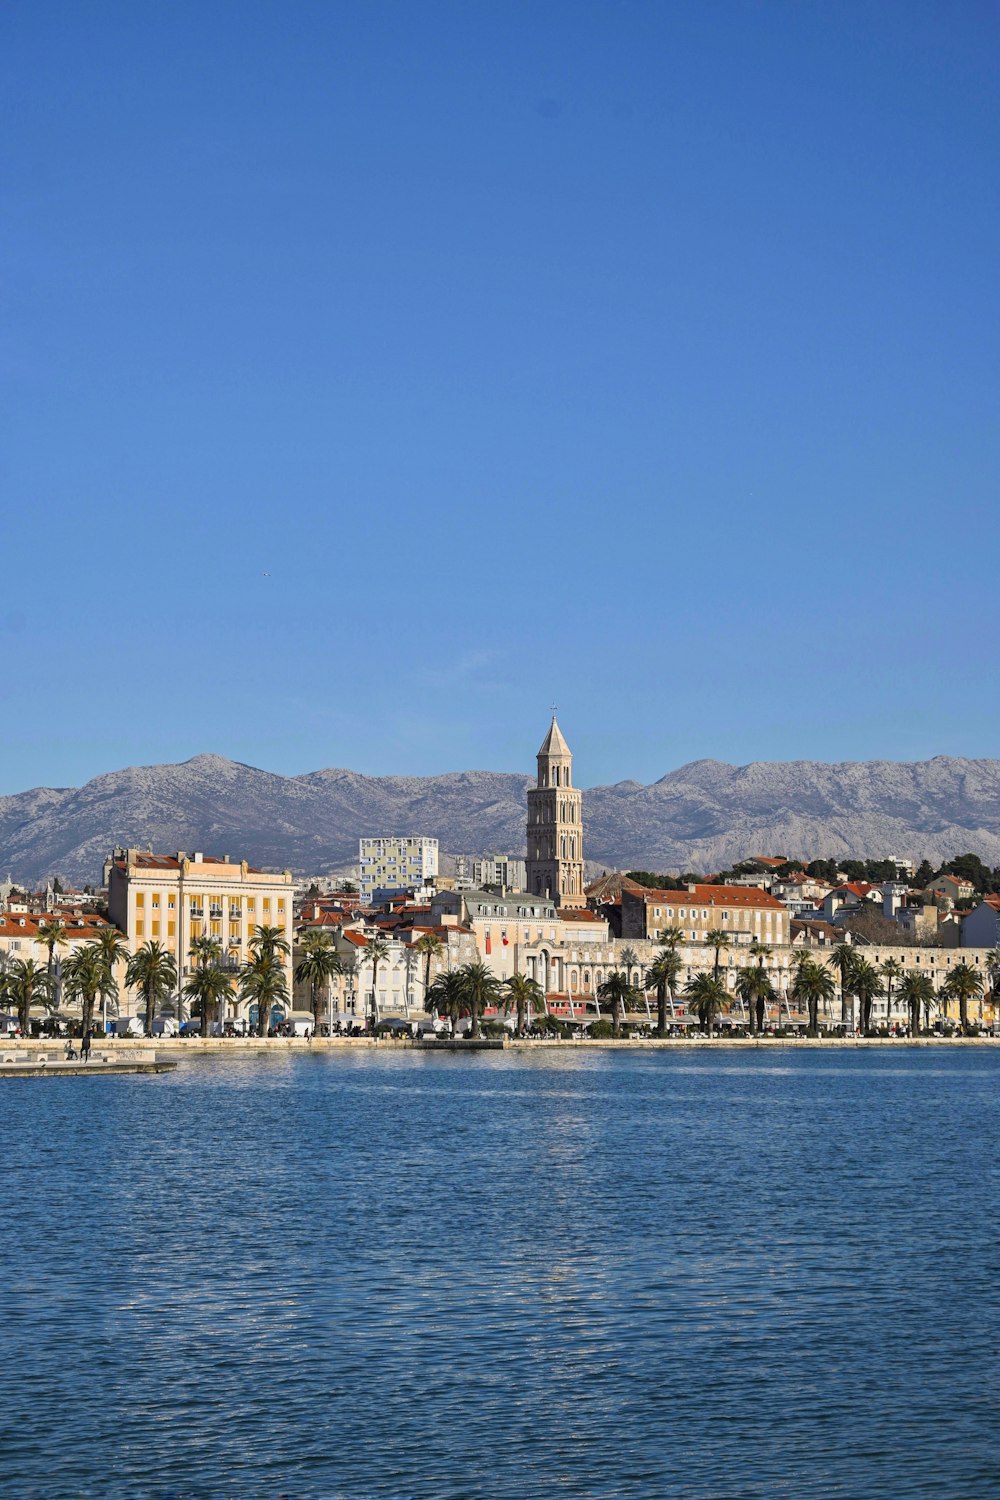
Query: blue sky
{"points": [[378, 374]]}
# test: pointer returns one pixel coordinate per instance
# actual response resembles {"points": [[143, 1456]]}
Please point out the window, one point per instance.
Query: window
{"points": [[140, 898]]}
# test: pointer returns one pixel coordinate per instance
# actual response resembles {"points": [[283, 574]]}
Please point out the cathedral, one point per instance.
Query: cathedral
{"points": [[555, 826]]}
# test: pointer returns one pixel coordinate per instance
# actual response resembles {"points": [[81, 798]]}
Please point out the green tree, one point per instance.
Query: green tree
{"points": [[866, 982], [761, 952], [843, 957], [207, 988], [85, 979], [891, 971], [52, 935], [377, 953], [263, 983], [22, 985], [269, 942], [716, 939], [430, 947], [705, 997], [620, 993], [445, 996], [916, 990], [114, 950], [963, 984], [153, 971], [522, 995], [754, 987], [664, 972], [813, 986], [320, 961], [480, 989], [206, 951]]}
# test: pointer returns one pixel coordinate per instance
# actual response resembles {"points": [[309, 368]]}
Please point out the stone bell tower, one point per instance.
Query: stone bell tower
{"points": [[555, 827]]}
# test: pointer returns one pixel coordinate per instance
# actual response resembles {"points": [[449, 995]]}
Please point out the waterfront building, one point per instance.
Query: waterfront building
{"points": [[743, 912], [554, 865], [19, 940], [176, 898], [392, 863]]}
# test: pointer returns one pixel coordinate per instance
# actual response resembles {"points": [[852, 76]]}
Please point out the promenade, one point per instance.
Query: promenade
{"points": [[177, 1048]]}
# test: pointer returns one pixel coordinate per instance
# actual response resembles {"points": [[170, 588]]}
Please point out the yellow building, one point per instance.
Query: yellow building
{"points": [[176, 898]]}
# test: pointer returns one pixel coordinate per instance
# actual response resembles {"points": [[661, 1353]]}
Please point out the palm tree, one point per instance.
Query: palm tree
{"points": [[761, 952], [263, 982], [916, 990], [52, 935], [320, 961], [993, 971], [114, 950], [754, 987], [813, 983], [269, 942], [206, 950], [628, 958], [866, 984], [377, 953], [430, 947], [208, 987], [663, 972], [891, 969], [480, 988], [963, 984], [716, 939], [24, 984], [446, 995], [523, 995], [705, 996], [620, 993], [86, 977], [672, 938], [153, 970], [843, 957]]}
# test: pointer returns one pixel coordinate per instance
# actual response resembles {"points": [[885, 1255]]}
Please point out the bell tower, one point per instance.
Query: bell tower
{"points": [[555, 827]]}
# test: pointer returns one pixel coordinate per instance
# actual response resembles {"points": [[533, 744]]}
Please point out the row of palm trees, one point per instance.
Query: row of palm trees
{"points": [[88, 976], [813, 986]]}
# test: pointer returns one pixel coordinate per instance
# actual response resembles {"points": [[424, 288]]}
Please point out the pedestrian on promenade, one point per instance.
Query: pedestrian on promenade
{"points": [[85, 1046]]}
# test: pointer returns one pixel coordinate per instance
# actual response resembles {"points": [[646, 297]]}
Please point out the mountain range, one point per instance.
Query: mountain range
{"points": [[703, 816]]}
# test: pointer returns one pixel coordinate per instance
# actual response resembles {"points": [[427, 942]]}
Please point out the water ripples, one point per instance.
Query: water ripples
{"points": [[599, 1274]]}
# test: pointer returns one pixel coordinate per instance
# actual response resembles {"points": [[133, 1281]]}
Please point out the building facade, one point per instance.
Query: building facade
{"points": [[175, 898], [394, 863], [743, 912], [505, 870], [555, 826]]}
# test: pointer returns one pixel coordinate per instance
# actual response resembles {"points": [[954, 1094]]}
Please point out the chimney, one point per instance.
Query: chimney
{"points": [[197, 857]]}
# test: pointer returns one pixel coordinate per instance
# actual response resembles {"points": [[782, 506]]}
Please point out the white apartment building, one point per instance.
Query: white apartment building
{"points": [[505, 870], [395, 863]]}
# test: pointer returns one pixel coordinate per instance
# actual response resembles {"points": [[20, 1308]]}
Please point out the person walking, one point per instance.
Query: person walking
{"points": [[85, 1046]]}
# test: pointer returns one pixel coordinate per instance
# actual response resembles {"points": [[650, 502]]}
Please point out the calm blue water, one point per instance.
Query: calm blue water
{"points": [[660, 1274]]}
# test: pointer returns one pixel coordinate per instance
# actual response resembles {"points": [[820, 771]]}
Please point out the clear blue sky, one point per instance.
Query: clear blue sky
{"points": [[377, 374]]}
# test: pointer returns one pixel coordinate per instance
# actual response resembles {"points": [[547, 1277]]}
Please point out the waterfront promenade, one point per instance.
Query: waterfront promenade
{"points": [[241, 1047]]}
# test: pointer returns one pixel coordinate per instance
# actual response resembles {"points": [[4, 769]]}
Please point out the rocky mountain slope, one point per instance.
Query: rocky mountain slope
{"points": [[703, 816]]}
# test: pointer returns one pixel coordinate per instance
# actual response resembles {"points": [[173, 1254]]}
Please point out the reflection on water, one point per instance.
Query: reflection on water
{"points": [[502, 1275]]}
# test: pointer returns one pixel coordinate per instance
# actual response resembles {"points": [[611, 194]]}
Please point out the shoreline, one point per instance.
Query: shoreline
{"points": [[179, 1047]]}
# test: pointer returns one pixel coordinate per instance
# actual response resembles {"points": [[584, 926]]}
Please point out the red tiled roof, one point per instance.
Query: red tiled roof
{"points": [[714, 895]]}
